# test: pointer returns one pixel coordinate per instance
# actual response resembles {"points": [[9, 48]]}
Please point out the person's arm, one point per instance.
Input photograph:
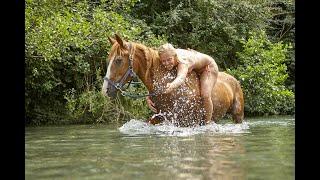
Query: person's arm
{"points": [[181, 77]]}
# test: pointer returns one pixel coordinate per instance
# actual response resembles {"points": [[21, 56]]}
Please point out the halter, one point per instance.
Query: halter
{"points": [[119, 85]]}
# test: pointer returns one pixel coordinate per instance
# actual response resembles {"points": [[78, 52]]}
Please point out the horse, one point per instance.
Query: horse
{"points": [[183, 106]]}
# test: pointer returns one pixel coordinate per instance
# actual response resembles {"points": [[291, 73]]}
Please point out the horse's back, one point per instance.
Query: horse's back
{"points": [[229, 79]]}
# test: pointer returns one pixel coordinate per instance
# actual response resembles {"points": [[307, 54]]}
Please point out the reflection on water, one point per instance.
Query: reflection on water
{"points": [[259, 149]]}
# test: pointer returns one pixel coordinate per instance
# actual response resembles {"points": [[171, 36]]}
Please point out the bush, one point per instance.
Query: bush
{"points": [[217, 27], [262, 74], [66, 53], [211, 27], [93, 107]]}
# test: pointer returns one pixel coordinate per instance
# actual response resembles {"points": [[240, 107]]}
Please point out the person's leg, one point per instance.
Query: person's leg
{"points": [[208, 79]]}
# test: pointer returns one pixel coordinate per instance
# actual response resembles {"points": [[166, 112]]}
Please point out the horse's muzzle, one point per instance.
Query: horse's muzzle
{"points": [[109, 90]]}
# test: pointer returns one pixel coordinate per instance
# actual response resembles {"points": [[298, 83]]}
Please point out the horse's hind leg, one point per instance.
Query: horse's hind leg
{"points": [[237, 113], [237, 118], [238, 108]]}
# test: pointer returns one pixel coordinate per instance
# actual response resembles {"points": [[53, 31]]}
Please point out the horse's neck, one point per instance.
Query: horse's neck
{"points": [[142, 66], [145, 80]]}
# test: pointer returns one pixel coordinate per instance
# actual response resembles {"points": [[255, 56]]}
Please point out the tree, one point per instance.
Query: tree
{"points": [[262, 74]]}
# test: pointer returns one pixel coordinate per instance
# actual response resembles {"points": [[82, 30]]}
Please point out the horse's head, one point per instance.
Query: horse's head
{"points": [[119, 70]]}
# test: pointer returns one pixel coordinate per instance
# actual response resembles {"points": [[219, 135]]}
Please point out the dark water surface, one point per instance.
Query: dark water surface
{"points": [[260, 148]]}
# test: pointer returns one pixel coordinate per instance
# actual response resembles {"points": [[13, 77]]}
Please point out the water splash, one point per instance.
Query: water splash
{"points": [[139, 127]]}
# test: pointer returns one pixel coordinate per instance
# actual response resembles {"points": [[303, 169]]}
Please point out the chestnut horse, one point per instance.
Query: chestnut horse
{"points": [[183, 106]]}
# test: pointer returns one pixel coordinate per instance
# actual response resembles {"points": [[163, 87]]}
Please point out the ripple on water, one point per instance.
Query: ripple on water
{"points": [[138, 127], [287, 122]]}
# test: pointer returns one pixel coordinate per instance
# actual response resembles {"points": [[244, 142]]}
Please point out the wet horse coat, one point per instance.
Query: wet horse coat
{"points": [[183, 106]]}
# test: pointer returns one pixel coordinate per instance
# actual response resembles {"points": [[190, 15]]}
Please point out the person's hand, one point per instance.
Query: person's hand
{"points": [[151, 104], [169, 88]]}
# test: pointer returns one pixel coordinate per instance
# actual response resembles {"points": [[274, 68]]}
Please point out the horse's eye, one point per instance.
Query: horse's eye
{"points": [[118, 61]]}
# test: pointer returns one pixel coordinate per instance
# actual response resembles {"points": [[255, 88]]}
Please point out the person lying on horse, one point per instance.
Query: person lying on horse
{"points": [[187, 61]]}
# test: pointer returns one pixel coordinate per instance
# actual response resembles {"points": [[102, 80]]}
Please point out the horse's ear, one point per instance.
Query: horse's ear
{"points": [[119, 40], [111, 40]]}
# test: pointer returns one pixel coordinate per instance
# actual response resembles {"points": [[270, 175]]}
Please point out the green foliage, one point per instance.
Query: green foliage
{"points": [[92, 106], [137, 106], [66, 48], [217, 27], [66, 51], [262, 74], [212, 27], [282, 28]]}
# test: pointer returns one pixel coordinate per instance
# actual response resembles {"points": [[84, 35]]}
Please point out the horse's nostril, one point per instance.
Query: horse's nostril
{"points": [[108, 89]]}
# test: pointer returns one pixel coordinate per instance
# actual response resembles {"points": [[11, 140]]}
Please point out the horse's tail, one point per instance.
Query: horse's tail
{"points": [[238, 103]]}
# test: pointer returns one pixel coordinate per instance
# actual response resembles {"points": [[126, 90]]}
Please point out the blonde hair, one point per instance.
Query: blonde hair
{"points": [[167, 48]]}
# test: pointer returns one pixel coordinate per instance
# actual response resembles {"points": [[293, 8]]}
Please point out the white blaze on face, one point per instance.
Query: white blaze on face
{"points": [[105, 82]]}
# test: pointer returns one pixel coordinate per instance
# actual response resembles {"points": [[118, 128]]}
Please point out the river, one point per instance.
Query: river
{"points": [[259, 148]]}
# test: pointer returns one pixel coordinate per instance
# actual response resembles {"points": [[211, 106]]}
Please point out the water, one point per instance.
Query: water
{"points": [[260, 148]]}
